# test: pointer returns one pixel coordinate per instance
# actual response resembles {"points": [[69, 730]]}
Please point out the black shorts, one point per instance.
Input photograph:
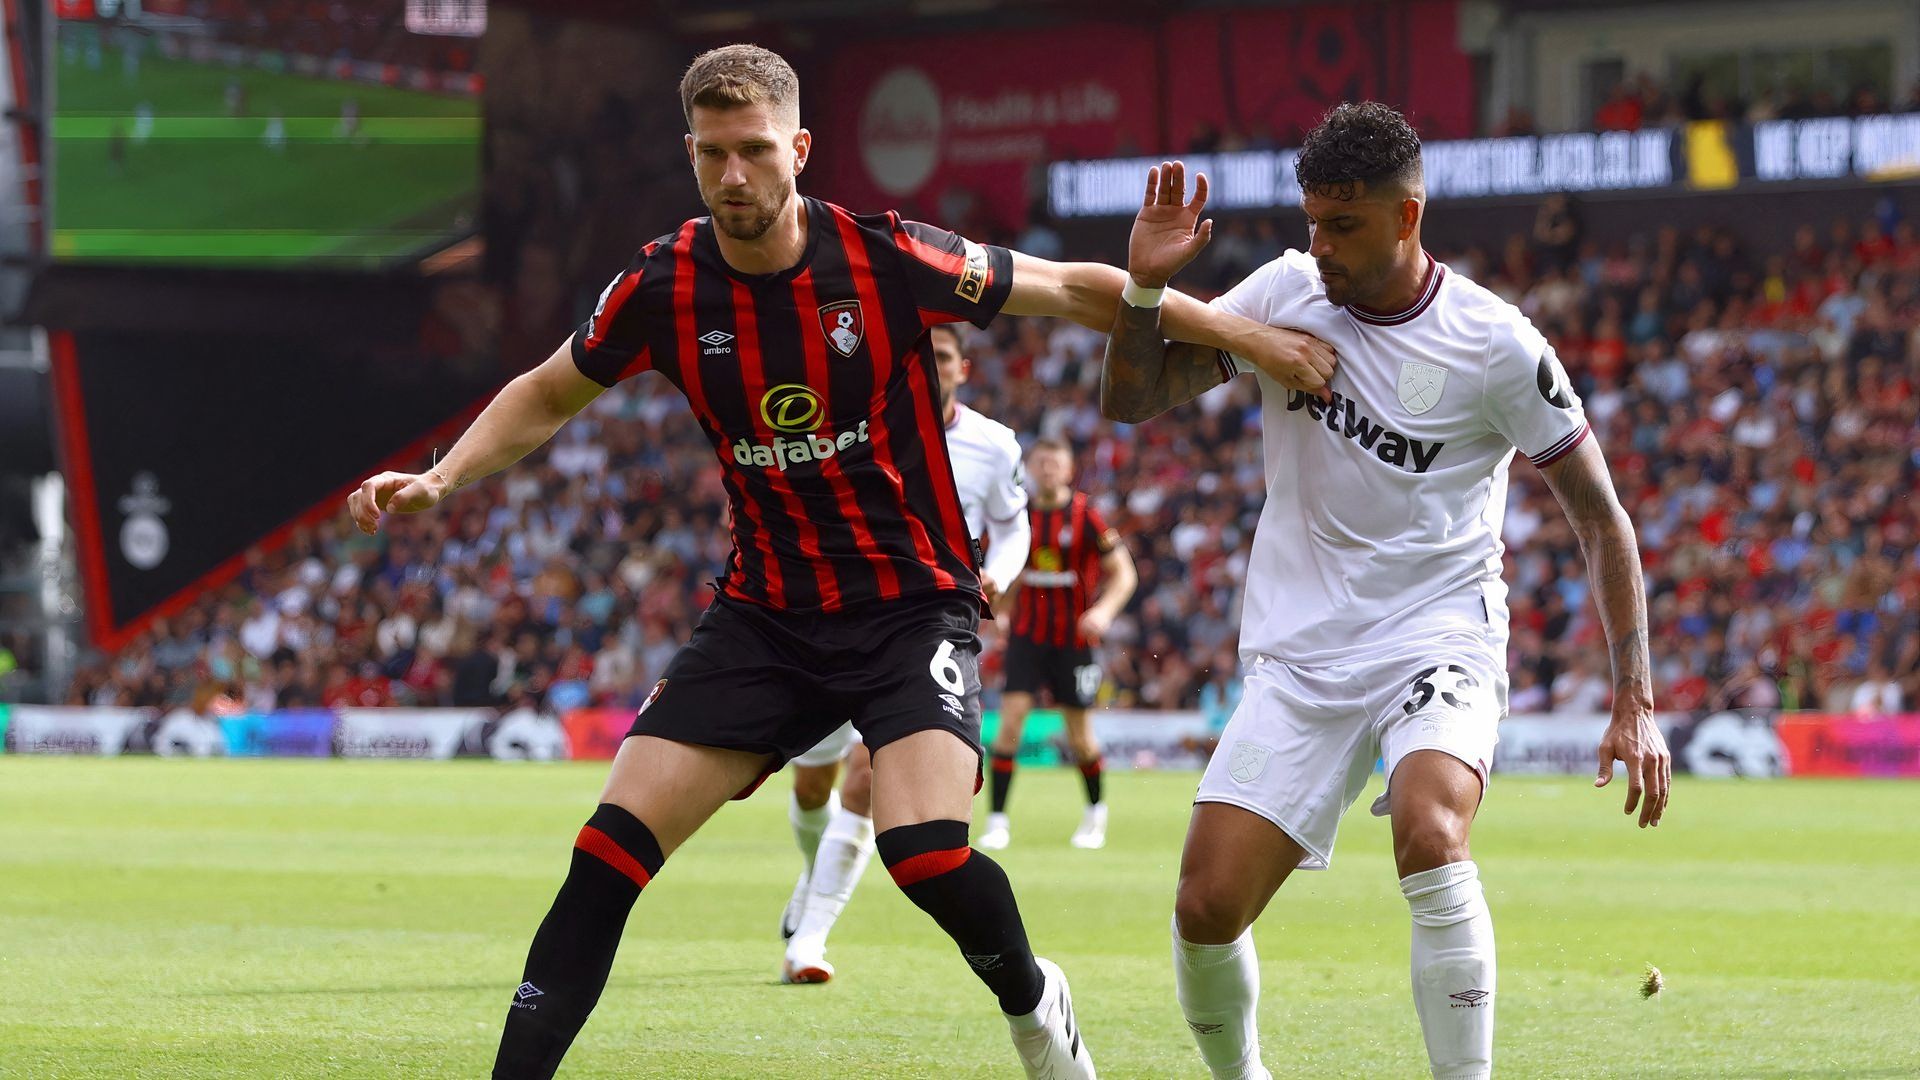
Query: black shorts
{"points": [[1067, 672], [774, 682]]}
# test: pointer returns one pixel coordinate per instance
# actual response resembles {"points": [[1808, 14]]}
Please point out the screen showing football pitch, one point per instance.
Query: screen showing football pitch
{"points": [[349, 142]]}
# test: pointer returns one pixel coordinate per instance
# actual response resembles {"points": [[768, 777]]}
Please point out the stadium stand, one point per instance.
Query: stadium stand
{"points": [[1759, 410]]}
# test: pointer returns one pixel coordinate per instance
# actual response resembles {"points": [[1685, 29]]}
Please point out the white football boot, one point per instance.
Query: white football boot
{"points": [[1048, 1038]]}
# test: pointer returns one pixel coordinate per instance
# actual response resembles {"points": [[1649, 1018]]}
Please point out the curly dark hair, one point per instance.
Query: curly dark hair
{"points": [[1359, 143]]}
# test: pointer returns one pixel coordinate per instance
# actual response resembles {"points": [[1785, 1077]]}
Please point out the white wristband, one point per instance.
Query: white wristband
{"points": [[1141, 297]]}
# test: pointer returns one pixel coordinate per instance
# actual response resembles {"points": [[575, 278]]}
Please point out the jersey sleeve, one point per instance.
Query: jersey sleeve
{"points": [[953, 279], [1252, 299], [612, 344], [1008, 498], [1529, 400], [1105, 537]]}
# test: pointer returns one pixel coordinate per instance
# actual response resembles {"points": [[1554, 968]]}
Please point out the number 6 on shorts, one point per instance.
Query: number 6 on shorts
{"points": [[946, 670]]}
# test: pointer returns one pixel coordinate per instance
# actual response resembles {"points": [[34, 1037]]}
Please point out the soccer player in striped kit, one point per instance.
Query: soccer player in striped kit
{"points": [[799, 333], [1079, 578], [836, 836]]}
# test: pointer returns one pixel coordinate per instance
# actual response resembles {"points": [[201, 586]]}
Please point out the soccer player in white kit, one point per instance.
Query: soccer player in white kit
{"points": [[836, 835], [1376, 620]]}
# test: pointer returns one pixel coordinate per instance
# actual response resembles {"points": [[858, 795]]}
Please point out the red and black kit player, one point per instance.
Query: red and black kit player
{"points": [[1079, 577], [798, 332]]}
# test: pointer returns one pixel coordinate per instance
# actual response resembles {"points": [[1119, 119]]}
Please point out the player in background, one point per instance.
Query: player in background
{"points": [[797, 331], [1078, 579], [835, 835], [1376, 618]]}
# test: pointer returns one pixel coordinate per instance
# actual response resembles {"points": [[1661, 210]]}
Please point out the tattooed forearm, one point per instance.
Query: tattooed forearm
{"points": [[1585, 491], [1145, 374]]}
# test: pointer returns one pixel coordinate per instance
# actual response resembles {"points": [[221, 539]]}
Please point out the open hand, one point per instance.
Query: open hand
{"points": [[1634, 739], [1168, 232]]}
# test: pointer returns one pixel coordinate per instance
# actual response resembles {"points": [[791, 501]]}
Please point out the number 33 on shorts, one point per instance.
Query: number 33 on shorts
{"points": [[948, 672]]}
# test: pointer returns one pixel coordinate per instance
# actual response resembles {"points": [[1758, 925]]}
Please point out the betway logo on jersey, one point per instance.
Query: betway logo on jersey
{"points": [[1343, 418], [795, 410]]}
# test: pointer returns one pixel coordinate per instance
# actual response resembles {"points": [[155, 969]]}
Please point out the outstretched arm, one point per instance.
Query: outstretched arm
{"points": [[1585, 490], [1145, 375], [525, 414]]}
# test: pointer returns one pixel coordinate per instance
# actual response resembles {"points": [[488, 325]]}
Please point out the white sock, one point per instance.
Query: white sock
{"points": [[844, 853], [1453, 969], [1219, 990], [808, 825]]}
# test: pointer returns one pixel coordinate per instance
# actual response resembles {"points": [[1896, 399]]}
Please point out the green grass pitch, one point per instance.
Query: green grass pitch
{"points": [[202, 186], [208, 919]]}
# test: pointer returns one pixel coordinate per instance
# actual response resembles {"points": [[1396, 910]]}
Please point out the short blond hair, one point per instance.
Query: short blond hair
{"points": [[732, 76]]}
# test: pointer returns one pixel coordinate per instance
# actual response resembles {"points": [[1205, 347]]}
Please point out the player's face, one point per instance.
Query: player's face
{"points": [[745, 159], [1353, 239], [1052, 469], [950, 364]]}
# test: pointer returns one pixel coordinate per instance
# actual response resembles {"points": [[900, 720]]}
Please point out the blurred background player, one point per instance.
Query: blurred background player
{"points": [[1376, 622], [1058, 620], [836, 835]]}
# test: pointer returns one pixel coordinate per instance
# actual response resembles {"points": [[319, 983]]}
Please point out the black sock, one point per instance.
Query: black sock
{"points": [[1090, 771], [1002, 780], [968, 895], [613, 859]]}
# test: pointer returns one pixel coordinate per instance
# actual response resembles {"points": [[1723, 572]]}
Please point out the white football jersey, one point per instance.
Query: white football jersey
{"points": [[986, 468], [1383, 512]]}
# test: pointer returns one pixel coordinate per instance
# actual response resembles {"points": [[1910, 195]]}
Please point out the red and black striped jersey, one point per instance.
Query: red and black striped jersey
{"points": [[816, 387], [1063, 566]]}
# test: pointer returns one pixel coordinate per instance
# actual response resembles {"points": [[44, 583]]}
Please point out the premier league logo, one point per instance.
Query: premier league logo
{"points": [[843, 326], [1420, 386]]}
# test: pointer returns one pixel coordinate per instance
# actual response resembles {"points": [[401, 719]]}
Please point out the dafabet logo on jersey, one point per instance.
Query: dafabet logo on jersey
{"points": [[794, 409]]}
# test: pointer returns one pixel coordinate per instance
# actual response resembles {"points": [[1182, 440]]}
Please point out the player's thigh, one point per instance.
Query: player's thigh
{"points": [[930, 775], [673, 788], [1438, 726], [856, 792], [916, 703], [1233, 862], [1013, 722], [1298, 751], [1074, 678], [1432, 803]]}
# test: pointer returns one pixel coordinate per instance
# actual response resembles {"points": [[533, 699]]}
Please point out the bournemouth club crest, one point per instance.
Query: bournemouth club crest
{"points": [[1420, 386], [843, 326]]}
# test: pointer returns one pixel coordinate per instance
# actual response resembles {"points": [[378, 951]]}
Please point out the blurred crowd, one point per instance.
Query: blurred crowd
{"points": [[1643, 101], [1758, 408]]}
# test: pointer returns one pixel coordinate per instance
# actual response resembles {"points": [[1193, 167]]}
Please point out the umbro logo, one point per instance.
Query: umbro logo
{"points": [[716, 342], [984, 961], [1470, 999], [523, 997], [1205, 1029]]}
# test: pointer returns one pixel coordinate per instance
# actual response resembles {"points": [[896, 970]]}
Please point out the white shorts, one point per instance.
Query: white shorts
{"points": [[830, 749], [1302, 743]]}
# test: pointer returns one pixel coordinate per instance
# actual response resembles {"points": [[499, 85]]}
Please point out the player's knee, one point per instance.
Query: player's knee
{"points": [[1086, 748], [1006, 740], [812, 787], [1433, 840], [857, 793], [1209, 914]]}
